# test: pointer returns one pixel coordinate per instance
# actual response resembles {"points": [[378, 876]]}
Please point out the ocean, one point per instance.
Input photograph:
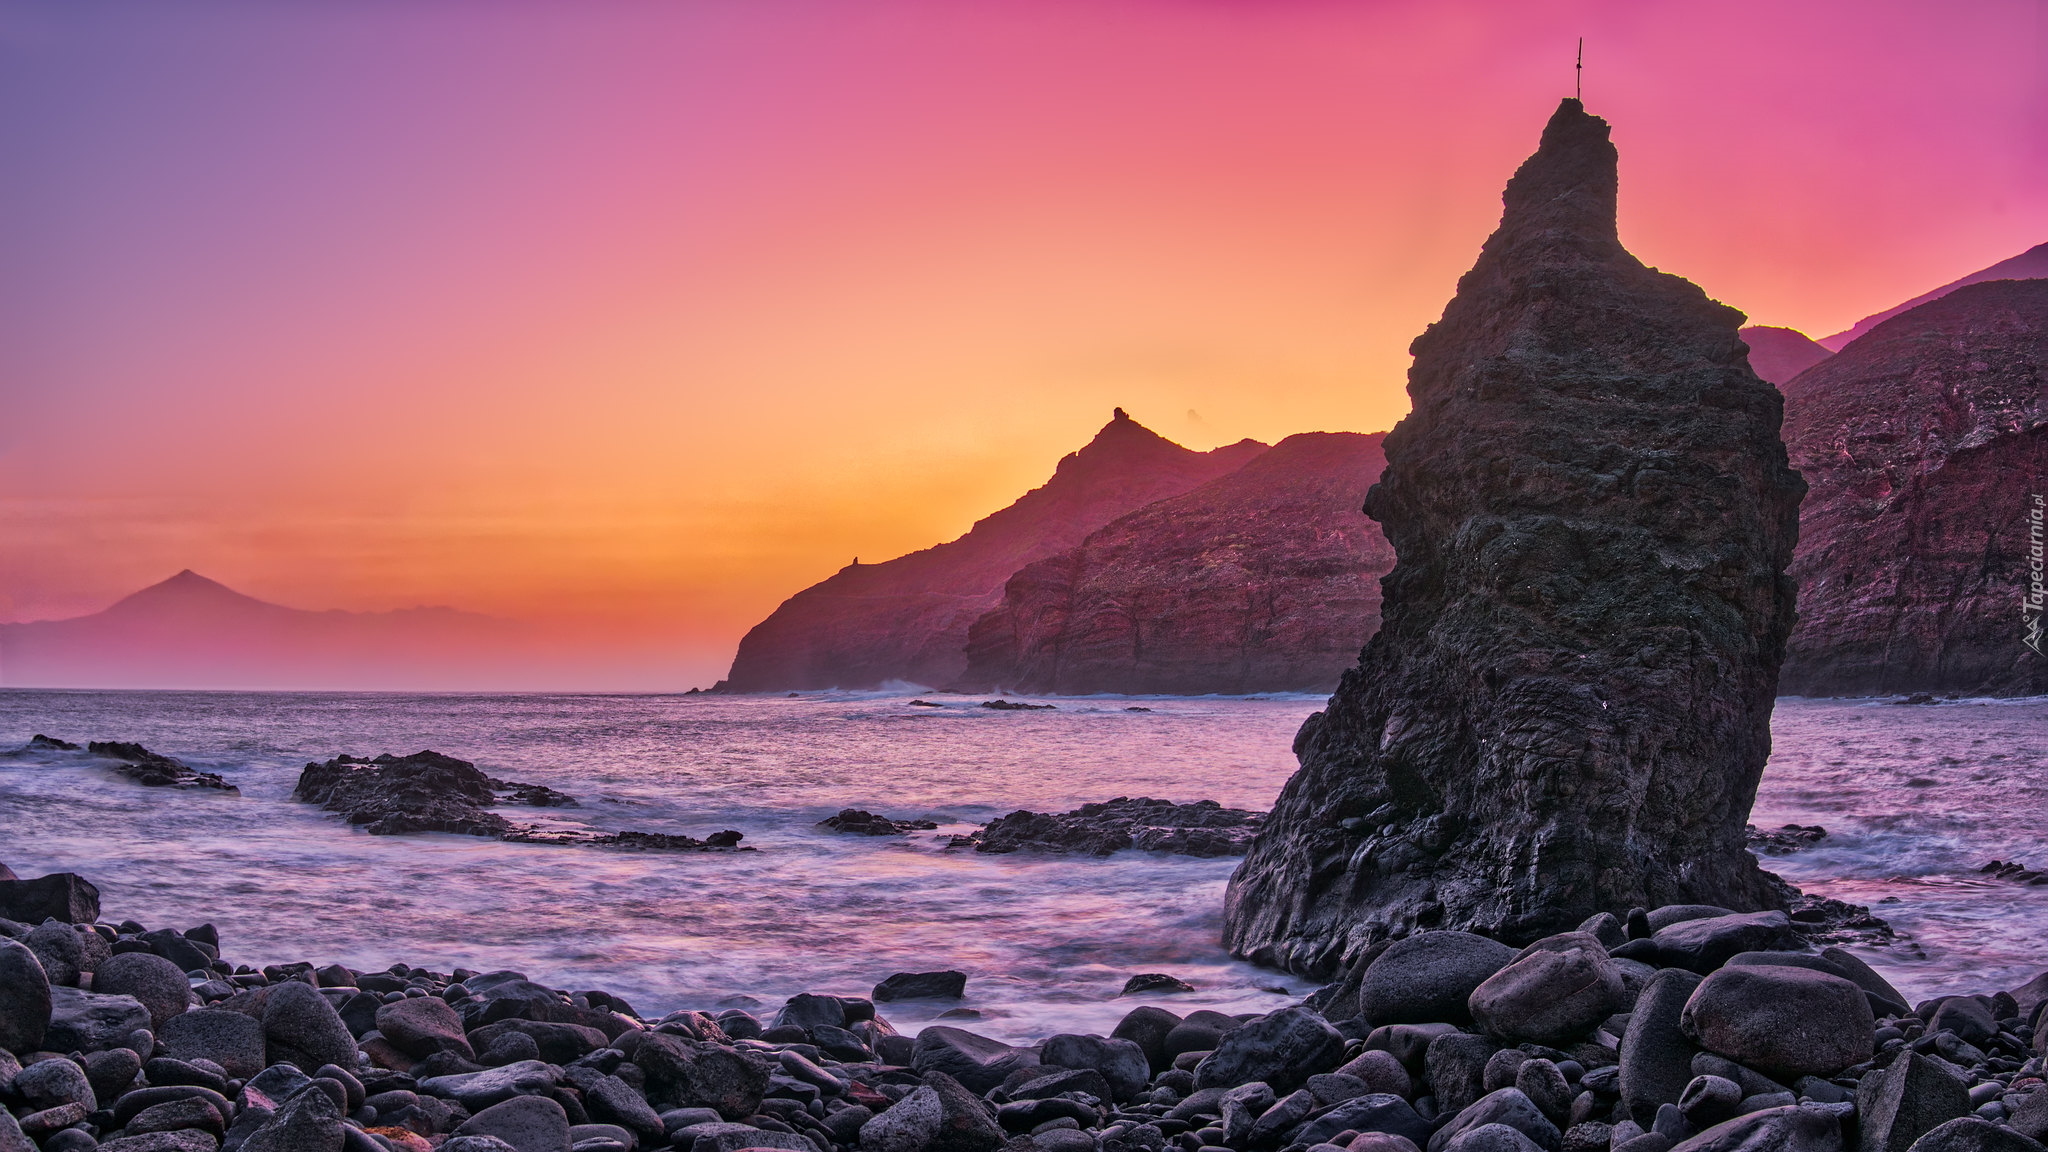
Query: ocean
{"points": [[1916, 799]]}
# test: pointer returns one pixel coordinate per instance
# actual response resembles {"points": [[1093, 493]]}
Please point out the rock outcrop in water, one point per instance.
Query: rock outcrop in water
{"points": [[906, 619], [429, 792], [1926, 443], [1202, 828], [132, 761], [1264, 580], [1566, 708]]}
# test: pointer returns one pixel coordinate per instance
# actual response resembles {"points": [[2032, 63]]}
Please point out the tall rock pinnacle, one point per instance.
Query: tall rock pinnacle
{"points": [[1567, 706]]}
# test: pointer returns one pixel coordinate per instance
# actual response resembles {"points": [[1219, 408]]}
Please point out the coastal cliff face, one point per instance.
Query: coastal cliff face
{"points": [[1924, 441], [1265, 580], [906, 619], [1566, 708]]}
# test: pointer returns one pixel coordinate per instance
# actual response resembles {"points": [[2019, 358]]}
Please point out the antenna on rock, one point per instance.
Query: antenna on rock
{"points": [[1579, 73]]}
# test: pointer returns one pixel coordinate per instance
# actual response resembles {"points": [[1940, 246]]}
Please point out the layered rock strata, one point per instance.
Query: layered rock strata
{"points": [[906, 619], [1926, 443], [1566, 708], [1265, 580]]}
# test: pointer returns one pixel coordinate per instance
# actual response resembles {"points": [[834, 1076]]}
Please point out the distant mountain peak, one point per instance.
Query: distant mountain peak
{"points": [[2029, 265], [187, 587]]}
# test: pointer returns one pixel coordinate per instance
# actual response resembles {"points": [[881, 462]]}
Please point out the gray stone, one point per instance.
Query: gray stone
{"points": [[1331, 1088], [53, 1083], [1121, 1062], [1969, 1017], [1381, 1142], [1501, 1068], [1545, 1086], [1972, 1134], [24, 998], [730, 1141], [1282, 1048], [420, 1026], [1549, 997], [308, 1122], [1656, 1056], [111, 1071], [57, 946], [476, 1144], [173, 1115], [1507, 1106], [922, 986], [1429, 977], [63, 896], [1866, 978], [684, 1073], [1456, 1069], [302, 1029], [940, 1116], [807, 1011], [88, 1021], [1381, 1071], [527, 1123], [188, 1140], [1705, 945], [1490, 1138], [1148, 1027], [1905, 1100], [1283, 1117], [1662, 918], [1709, 1100], [1378, 1112], [230, 1039], [155, 981], [1753, 1082], [611, 1100], [977, 1062], [1784, 1022], [1795, 1128], [479, 1090]]}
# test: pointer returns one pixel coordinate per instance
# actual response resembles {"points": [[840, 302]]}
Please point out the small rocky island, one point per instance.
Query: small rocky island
{"points": [[1679, 1029], [1567, 705]]}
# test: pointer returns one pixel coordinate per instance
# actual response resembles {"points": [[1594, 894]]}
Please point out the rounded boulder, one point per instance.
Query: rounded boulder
{"points": [[1428, 978], [1784, 1022], [156, 982], [24, 998], [1549, 997]]}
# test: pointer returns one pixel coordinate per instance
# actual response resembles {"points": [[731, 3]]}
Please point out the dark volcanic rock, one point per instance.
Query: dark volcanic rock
{"points": [[1782, 1021], [1566, 708], [1926, 441], [64, 896], [423, 792], [1281, 1048], [1264, 580], [1203, 828], [24, 998], [864, 823], [907, 618], [1428, 978], [155, 769]]}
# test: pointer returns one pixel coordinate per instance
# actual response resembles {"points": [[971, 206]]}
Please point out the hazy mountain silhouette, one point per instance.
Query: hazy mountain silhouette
{"points": [[192, 632], [2029, 265], [906, 619], [1779, 354]]}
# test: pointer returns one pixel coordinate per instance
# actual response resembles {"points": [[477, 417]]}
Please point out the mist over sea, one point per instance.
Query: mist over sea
{"points": [[1916, 799]]}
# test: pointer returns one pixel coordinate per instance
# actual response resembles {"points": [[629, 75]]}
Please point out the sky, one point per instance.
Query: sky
{"points": [[633, 318]]}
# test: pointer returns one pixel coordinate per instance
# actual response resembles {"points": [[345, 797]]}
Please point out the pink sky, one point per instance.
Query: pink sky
{"points": [[639, 317]]}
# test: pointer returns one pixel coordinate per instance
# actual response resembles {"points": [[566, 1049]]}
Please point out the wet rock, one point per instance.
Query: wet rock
{"points": [[1655, 1054], [1786, 840], [174, 1115], [62, 896], [1507, 1106], [420, 1026], [159, 984], [1429, 978], [1785, 1022], [947, 985], [1549, 997], [1155, 984], [155, 769], [1203, 828], [977, 1062], [1490, 1138], [1705, 944], [1905, 1100], [1286, 1113], [1148, 1027], [1709, 1100], [479, 1090], [24, 998], [423, 792], [1282, 1049], [111, 1071], [302, 1029], [1380, 1071], [186, 1141], [941, 1115], [230, 1039], [859, 822], [1971, 1134], [1969, 1017], [527, 1123], [88, 1022]]}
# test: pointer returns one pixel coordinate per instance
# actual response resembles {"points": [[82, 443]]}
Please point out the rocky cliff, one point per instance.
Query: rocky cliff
{"points": [[1779, 354], [1264, 580], [2029, 265], [907, 619], [1567, 705], [1925, 441]]}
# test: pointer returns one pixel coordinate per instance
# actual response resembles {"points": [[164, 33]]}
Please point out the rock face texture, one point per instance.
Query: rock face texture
{"points": [[1566, 708], [1779, 354], [1926, 443], [906, 619], [1265, 580]]}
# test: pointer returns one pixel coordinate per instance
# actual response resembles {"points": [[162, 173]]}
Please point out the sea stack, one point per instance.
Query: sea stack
{"points": [[1566, 708]]}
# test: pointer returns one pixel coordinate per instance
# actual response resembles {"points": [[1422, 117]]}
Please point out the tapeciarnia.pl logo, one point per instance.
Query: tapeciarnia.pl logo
{"points": [[2035, 597]]}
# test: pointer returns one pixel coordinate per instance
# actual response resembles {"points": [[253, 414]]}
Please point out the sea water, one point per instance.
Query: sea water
{"points": [[1915, 799]]}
